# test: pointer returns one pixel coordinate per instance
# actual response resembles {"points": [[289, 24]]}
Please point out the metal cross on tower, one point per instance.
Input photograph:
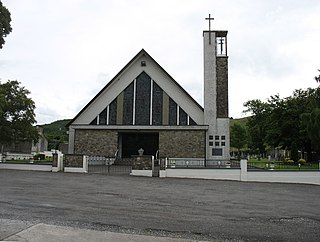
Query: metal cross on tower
{"points": [[221, 43], [209, 19]]}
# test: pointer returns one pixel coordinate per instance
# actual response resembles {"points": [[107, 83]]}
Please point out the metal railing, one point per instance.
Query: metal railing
{"points": [[275, 165], [201, 163], [102, 164]]}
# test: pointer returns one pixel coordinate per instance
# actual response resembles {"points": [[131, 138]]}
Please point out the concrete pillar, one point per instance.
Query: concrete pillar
{"points": [[244, 170], [59, 157], [60, 161], [85, 164]]}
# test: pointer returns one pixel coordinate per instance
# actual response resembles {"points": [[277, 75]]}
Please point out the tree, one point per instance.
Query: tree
{"points": [[239, 137], [311, 122], [257, 124], [317, 78], [5, 26], [17, 115], [286, 123]]}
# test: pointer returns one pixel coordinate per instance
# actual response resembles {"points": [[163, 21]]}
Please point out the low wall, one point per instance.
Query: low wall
{"points": [[243, 174], [308, 177], [75, 163], [219, 174], [142, 162], [141, 173], [26, 167]]}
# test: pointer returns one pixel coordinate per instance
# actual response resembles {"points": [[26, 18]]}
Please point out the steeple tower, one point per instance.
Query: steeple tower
{"points": [[216, 94]]}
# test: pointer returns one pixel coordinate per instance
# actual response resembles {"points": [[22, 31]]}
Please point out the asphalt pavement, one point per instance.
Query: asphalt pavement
{"points": [[93, 207]]}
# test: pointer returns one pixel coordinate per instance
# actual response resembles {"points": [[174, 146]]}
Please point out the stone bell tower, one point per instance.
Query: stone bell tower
{"points": [[216, 109]]}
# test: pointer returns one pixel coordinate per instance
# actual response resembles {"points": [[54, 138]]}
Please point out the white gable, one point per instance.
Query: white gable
{"points": [[127, 76]]}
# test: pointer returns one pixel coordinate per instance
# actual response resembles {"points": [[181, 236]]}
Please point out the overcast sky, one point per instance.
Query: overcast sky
{"points": [[66, 51]]}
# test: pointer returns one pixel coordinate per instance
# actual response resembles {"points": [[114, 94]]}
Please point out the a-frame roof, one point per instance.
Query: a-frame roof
{"points": [[126, 75]]}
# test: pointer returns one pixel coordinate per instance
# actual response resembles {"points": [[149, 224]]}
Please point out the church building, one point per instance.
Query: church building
{"points": [[143, 107]]}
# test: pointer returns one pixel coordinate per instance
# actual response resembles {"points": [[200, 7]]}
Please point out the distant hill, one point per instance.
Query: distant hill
{"points": [[242, 121], [56, 133]]}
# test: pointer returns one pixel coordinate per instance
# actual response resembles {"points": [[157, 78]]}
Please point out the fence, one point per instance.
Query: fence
{"points": [[109, 165], [201, 163], [246, 173], [12, 163], [270, 166], [183, 168]]}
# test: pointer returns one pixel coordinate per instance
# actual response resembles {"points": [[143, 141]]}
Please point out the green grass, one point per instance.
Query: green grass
{"points": [[279, 165]]}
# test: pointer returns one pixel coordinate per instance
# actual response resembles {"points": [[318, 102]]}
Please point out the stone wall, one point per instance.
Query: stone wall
{"points": [[172, 143], [182, 143], [222, 87], [73, 161], [96, 142], [142, 163]]}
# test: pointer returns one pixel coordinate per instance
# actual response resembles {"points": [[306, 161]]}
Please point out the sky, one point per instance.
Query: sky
{"points": [[65, 52]]}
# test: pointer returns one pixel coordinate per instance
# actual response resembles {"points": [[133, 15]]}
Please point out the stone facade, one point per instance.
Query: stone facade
{"points": [[73, 161], [182, 143], [222, 87], [96, 142], [142, 163], [172, 143]]}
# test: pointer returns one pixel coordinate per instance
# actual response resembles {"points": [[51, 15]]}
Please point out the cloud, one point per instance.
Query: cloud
{"points": [[64, 52]]}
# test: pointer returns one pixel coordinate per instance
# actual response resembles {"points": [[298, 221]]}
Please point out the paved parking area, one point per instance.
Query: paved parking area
{"points": [[161, 207]]}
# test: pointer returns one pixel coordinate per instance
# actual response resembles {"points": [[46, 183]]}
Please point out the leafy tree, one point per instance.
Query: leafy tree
{"points": [[317, 78], [314, 128], [16, 114], [311, 122], [289, 123], [239, 137], [257, 124], [285, 127], [294, 154], [5, 26]]}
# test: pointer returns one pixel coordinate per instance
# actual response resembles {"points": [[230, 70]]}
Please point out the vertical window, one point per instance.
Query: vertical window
{"points": [[172, 112]]}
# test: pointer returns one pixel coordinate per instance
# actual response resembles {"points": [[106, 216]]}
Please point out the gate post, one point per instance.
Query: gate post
{"points": [[85, 164], [243, 170], [57, 161], [163, 167]]}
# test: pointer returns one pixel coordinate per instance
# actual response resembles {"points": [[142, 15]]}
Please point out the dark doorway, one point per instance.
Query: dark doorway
{"points": [[132, 142]]}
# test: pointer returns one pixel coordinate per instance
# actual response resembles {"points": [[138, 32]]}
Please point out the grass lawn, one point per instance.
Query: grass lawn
{"points": [[279, 165]]}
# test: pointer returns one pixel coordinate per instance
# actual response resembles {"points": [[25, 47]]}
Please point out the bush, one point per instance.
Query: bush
{"points": [[39, 157], [302, 161], [288, 160]]}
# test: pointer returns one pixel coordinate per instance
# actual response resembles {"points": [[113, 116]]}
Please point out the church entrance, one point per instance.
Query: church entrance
{"points": [[131, 142]]}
